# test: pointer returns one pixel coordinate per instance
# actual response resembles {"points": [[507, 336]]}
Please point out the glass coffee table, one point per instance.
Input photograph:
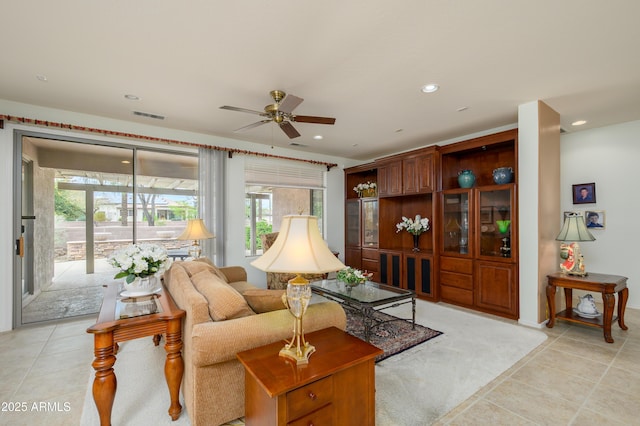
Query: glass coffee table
{"points": [[366, 298]]}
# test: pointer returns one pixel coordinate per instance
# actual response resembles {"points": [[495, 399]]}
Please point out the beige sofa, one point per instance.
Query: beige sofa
{"points": [[219, 323]]}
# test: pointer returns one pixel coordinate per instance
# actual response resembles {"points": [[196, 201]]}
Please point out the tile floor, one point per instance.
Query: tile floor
{"points": [[574, 378]]}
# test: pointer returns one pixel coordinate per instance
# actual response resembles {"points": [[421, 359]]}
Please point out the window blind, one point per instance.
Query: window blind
{"points": [[276, 173]]}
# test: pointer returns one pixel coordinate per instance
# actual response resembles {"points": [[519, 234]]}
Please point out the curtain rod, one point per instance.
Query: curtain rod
{"points": [[74, 127]]}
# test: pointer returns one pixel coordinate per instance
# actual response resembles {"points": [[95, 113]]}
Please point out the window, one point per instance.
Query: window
{"points": [[275, 189]]}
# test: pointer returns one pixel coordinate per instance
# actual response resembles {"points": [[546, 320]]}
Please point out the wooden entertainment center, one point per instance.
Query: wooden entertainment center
{"points": [[469, 256]]}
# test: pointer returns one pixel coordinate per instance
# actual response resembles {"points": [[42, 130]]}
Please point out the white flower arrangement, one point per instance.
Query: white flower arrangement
{"points": [[138, 261], [413, 226], [361, 187]]}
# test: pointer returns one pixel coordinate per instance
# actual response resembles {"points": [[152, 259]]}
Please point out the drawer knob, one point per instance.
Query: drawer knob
{"points": [[312, 396]]}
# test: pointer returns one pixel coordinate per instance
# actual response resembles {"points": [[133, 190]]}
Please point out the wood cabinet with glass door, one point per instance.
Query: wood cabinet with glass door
{"points": [[478, 263], [361, 220]]}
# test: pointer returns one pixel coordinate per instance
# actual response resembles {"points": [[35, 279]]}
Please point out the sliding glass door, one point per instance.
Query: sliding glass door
{"points": [[80, 201]]}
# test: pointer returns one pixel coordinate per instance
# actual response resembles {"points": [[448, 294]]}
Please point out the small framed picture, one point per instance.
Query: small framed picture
{"points": [[486, 215], [584, 193], [594, 219]]}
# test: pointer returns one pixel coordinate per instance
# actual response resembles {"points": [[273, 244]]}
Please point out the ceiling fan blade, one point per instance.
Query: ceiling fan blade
{"points": [[250, 111], [312, 119], [289, 103], [252, 125], [289, 130]]}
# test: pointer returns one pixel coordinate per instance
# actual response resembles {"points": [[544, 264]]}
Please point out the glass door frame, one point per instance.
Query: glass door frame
{"points": [[17, 219]]}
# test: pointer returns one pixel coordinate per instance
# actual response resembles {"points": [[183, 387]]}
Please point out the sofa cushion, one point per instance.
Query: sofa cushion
{"points": [[242, 286], [203, 264], [224, 301], [263, 300]]}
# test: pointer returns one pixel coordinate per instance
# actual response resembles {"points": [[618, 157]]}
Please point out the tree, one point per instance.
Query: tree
{"points": [[149, 213], [66, 207]]}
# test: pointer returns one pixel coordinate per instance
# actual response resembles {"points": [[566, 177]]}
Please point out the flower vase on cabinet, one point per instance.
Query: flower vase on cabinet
{"points": [[466, 178], [416, 242], [502, 175]]}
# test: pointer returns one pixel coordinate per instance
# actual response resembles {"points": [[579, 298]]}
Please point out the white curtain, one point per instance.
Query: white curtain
{"points": [[212, 200]]}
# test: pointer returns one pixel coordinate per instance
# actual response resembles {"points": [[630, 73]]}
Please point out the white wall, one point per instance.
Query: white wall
{"points": [[609, 157], [234, 238]]}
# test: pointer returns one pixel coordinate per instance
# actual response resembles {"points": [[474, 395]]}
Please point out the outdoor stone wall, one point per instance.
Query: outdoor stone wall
{"points": [[103, 249]]}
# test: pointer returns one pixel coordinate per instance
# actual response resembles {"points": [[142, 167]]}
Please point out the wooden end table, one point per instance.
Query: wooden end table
{"points": [[337, 386], [607, 285], [117, 322]]}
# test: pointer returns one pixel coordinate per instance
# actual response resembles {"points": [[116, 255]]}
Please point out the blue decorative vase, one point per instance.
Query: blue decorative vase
{"points": [[466, 179], [502, 175]]}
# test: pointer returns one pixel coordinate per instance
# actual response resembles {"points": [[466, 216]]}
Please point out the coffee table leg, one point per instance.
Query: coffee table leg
{"points": [[105, 383], [367, 318], [623, 295], [174, 365], [413, 312], [608, 300]]}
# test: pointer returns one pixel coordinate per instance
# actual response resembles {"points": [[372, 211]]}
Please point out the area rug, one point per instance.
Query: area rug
{"points": [[393, 335], [415, 387]]}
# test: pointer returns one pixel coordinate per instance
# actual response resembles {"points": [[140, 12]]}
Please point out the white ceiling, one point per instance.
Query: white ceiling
{"points": [[362, 62]]}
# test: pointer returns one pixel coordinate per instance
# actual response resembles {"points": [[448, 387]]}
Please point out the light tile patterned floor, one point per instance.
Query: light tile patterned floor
{"points": [[574, 378]]}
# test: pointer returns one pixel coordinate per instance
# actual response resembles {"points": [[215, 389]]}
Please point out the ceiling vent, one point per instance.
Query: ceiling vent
{"points": [[298, 144], [149, 115]]}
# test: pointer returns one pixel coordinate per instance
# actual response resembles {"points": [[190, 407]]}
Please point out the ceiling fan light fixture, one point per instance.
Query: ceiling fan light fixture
{"points": [[430, 88]]}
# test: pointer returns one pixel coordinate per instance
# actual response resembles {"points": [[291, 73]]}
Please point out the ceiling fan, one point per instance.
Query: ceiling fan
{"points": [[280, 112]]}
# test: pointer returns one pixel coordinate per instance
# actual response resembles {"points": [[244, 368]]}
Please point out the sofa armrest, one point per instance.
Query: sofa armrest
{"points": [[220, 341], [234, 273]]}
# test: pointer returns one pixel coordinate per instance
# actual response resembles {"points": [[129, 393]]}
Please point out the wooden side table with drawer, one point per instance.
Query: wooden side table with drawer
{"points": [[337, 386]]}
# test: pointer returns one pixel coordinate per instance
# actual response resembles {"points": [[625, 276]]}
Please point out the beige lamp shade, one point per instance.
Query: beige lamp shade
{"points": [[299, 249], [195, 231], [574, 229]]}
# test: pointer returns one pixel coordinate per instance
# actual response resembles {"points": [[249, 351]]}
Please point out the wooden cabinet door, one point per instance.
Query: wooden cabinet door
{"points": [[390, 268], [353, 257], [353, 223], [417, 174], [390, 179], [418, 274], [496, 288]]}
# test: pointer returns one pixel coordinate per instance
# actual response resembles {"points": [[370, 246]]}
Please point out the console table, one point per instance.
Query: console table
{"points": [[337, 386], [607, 285], [118, 322]]}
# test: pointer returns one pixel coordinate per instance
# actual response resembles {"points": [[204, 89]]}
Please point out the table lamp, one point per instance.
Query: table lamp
{"points": [[195, 231], [573, 230], [300, 249]]}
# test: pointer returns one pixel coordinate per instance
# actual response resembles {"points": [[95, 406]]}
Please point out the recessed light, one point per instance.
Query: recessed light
{"points": [[42, 77], [126, 162], [318, 137], [579, 123], [132, 97], [430, 88]]}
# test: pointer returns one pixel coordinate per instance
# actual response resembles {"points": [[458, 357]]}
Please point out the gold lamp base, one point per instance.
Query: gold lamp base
{"points": [[297, 299], [299, 354]]}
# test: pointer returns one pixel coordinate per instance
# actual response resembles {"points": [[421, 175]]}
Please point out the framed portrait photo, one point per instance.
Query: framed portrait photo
{"points": [[594, 219], [584, 193]]}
